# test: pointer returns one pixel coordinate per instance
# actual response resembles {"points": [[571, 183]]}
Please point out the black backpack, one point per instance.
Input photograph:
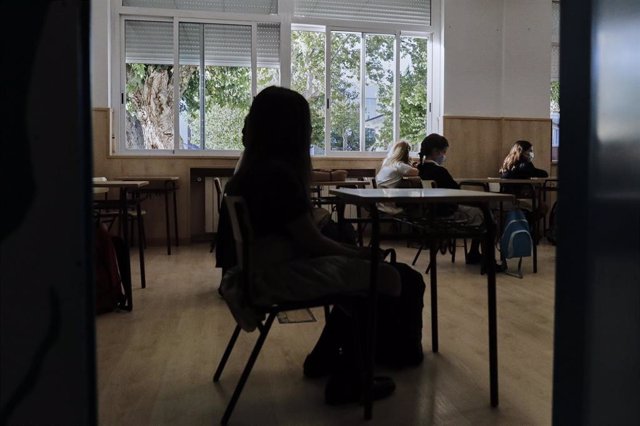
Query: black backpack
{"points": [[399, 325]]}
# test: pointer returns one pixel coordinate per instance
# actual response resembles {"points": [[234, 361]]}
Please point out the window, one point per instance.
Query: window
{"points": [[554, 106], [189, 71], [377, 88]]}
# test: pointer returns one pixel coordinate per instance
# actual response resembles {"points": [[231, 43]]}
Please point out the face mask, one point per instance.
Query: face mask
{"points": [[441, 159], [530, 155]]}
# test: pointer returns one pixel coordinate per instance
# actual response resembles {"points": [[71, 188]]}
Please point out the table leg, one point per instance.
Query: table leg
{"points": [[489, 250], [370, 342], [535, 230], [433, 254], [136, 198], [166, 216], [175, 213]]}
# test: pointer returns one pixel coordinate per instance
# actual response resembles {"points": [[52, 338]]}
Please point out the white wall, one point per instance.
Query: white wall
{"points": [[497, 57], [100, 45]]}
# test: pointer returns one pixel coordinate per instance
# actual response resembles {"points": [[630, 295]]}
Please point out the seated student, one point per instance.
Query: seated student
{"points": [[296, 261], [433, 152], [518, 164], [393, 173], [396, 167]]}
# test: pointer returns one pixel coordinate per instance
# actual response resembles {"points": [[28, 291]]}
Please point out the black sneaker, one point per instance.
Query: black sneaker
{"points": [[341, 390]]}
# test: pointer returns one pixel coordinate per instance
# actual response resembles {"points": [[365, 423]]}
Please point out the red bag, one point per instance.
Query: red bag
{"points": [[109, 288]]}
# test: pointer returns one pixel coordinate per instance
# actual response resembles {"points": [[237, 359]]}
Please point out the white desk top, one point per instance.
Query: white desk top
{"points": [[418, 195]]}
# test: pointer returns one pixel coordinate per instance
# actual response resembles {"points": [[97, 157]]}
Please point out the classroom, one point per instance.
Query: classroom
{"points": [[146, 156]]}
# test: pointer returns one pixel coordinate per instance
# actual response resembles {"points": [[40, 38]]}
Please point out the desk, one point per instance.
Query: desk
{"points": [[125, 187], [369, 197], [163, 185]]}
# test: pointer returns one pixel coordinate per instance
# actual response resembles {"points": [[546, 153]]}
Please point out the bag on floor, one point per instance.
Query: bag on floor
{"points": [[516, 238], [110, 293], [399, 325]]}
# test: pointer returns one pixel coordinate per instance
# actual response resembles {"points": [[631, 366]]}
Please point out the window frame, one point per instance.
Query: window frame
{"points": [[287, 22]]}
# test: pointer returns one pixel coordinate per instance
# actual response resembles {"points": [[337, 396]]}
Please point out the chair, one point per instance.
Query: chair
{"points": [[217, 184], [243, 237], [106, 211], [444, 245]]}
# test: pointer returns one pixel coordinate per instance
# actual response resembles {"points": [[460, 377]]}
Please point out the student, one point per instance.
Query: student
{"points": [[433, 153], [518, 164], [295, 261], [395, 168]]}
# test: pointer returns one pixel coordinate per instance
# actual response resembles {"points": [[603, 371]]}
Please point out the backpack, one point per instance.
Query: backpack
{"points": [[552, 230], [399, 325], [515, 240], [110, 294]]}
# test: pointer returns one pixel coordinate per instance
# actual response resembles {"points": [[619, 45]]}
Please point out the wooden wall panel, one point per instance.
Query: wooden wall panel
{"points": [[478, 145]]}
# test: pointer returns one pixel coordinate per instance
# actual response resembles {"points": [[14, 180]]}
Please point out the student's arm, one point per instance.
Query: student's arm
{"points": [[446, 180], [407, 170]]}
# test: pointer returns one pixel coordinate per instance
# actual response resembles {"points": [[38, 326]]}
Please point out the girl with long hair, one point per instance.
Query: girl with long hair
{"points": [[294, 261]]}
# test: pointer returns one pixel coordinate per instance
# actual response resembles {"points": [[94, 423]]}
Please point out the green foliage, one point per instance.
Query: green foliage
{"points": [[555, 96]]}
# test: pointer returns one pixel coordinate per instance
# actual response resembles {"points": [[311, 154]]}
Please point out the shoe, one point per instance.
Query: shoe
{"points": [[473, 258], [316, 366], [341, 390]]}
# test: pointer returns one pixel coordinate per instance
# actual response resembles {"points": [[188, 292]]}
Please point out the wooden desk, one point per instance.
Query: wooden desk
{"points": [[163, 185], [481, 199], [125, 187]]}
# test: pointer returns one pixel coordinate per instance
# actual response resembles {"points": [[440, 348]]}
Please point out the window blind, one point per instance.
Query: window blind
{"points": [[262, 7], [151, 42], [416, 12], [268, 49], [148, 42], [228, 45], [555, 41]]}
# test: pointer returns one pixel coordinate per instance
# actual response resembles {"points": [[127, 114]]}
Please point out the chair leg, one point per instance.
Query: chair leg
{"points": [[415, 259], [247, 369], [226, 354]]}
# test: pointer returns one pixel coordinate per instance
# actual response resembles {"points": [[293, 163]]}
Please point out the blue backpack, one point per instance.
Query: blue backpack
{"points": [[516, 238]]}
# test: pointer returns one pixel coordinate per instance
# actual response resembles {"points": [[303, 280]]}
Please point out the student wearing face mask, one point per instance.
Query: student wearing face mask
{"points": [[433, 154], [518, 164]]}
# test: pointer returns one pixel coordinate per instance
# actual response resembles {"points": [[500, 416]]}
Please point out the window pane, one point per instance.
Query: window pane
{"points": [[345, 91], [308, 78], [413, 90], [216, 98], [378, 102], [149, 85]]}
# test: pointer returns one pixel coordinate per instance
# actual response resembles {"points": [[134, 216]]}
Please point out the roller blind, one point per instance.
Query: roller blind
{"points": [[555, 41], [148, 42], [262, 7], [416, 12], [151, 42]]}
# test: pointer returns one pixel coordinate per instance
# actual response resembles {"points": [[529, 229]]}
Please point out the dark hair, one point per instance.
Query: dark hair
{"points": [[433, 142], [278, 129]]}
